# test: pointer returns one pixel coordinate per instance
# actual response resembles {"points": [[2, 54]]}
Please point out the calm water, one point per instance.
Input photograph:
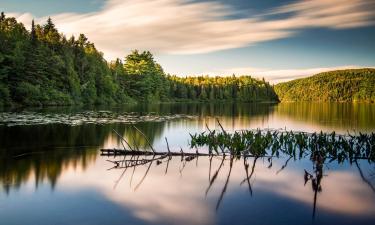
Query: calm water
{"points": [[51, 171]]}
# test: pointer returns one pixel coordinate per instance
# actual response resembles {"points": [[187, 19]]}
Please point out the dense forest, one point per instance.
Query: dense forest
{"points": [[44, 67], [242, 88], [353, 85]]}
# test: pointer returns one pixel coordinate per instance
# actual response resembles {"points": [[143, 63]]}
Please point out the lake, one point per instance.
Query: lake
{"points": [[51, 170]]}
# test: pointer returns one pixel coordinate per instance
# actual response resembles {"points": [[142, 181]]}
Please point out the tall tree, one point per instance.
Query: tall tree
{"points": [[33, 32]]}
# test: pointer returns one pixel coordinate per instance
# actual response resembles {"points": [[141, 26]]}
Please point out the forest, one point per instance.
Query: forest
{"points": [[43, 67], [352, 85]]}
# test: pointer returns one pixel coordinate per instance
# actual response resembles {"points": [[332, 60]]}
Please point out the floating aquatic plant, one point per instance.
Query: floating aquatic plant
{"points": [[296, 144], [85, 117]]}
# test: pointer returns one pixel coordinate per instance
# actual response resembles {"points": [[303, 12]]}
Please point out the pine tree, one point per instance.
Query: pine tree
{"points": [[82, 40], [49, 25], [2, 17], [33, 32]]}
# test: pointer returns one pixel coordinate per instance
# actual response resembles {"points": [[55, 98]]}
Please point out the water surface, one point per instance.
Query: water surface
{"points": [[51, 171]]}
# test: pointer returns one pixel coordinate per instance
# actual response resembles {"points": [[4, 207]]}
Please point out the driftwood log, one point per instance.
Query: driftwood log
{"points": [[119, 152]]}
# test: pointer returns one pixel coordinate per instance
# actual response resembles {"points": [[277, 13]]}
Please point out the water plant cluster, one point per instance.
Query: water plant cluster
{"points": [[86, 117], [295, 144]]}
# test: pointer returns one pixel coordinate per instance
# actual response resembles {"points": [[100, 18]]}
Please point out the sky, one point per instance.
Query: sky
{"points": [[275, 39]]}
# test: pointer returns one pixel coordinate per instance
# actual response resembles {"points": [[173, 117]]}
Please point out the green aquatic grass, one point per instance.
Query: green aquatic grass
{"points": [[295, 144]]}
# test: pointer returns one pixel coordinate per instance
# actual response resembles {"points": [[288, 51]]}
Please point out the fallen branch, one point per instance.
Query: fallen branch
{"points": [[148, 141]]}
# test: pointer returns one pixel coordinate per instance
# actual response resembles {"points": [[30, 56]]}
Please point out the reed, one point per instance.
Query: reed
{"points": [[261, 143]]}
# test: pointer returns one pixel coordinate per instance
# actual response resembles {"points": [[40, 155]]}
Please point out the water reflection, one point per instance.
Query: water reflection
{"points": [[315, 177], [66, 140], [327, 116], [42, 167], [163, 190], [53, 170]]}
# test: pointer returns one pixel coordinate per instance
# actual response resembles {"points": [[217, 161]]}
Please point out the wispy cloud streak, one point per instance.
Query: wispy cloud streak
{"points": [[181, 27]]}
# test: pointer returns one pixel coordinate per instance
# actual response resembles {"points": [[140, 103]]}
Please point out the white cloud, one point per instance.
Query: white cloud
{"points": [[335, 14], [278, 76], [180, 27]]}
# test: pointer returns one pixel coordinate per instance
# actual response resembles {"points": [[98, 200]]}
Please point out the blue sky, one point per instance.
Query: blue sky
{"points": [[278, 40]]}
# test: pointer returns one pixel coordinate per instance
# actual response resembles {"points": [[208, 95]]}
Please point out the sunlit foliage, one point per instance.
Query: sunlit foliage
{"points": [[355, 85]]}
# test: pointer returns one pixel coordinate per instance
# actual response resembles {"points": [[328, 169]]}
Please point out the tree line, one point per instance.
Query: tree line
{"points": [[352, 85], [44, 67]]}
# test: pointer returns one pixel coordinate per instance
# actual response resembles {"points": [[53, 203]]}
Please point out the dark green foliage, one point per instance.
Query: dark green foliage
{"points": [[355, 85], [42, 67]]}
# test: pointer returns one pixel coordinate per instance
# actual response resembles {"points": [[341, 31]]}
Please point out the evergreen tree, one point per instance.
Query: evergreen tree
{"points": [[43, 67], [33, 32], [2, 17]]}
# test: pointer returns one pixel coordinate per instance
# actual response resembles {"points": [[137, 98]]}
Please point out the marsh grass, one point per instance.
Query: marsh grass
{"points": [[297, 145]]}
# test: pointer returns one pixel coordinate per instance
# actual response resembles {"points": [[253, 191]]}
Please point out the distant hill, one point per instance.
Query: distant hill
{"points": [[352, 85]]}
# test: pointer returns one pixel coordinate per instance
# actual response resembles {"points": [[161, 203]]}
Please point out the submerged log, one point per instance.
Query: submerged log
{"points": [[185, 156], [118, 152]]}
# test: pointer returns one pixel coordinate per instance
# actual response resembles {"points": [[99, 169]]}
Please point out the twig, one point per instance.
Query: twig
{"points": [[144, 176], [148, 141], [226, 185], [123, 139], [221, 126], [166, 169], [215, 176], [131, 178], [169, 151], [285, 165]]}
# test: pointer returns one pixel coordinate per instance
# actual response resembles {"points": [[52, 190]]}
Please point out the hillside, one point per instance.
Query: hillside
{"points": [[354, 85]]}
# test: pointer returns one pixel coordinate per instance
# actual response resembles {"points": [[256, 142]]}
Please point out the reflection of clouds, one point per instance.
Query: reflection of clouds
{"points": [[160, 198], [342, 191], [180, 199], [168, 197]]}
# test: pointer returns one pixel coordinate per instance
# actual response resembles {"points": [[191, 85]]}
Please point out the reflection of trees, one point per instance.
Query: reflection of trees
{"points": [[229, 113], [42, 157], [33, 138], [21, 139], [43, 152], [333, 115], [43, 166], [206, 109]]}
